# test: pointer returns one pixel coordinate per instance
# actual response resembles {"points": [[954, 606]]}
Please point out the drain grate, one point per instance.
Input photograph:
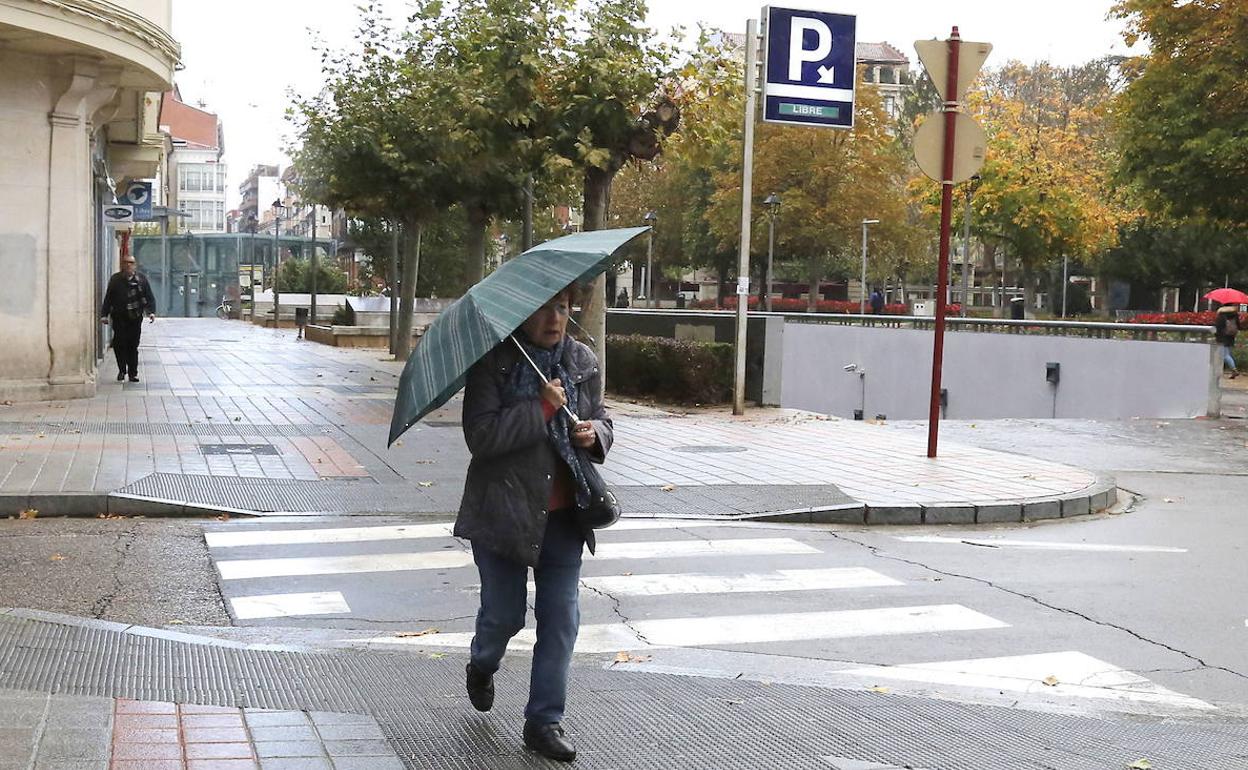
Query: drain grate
{"points": [[239, 449]]}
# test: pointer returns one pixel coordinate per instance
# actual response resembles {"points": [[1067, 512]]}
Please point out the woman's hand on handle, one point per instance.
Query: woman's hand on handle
{"points": [[584, 435], [554, 394]]}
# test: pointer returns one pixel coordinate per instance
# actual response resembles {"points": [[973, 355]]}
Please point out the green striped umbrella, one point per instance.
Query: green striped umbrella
{"points": [[490, 311]]}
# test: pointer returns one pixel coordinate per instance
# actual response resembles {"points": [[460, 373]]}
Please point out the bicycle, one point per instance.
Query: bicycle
{"points": [[224, 309]]}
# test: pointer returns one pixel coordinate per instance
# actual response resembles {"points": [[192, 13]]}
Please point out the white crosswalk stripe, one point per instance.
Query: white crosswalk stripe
{"points": [[276, 574]]}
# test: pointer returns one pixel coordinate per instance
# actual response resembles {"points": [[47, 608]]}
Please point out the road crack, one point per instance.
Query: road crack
{"points": [[122, 544], [1201, 664], [615, 607]]}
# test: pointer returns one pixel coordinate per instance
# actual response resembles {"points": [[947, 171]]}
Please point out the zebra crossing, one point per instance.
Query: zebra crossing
{"points": [[662, 589]]}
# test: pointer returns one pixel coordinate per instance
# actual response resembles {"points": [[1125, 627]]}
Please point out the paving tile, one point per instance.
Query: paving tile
{"points": [[211, 720], [222, 764], [295, 763], [145, 735], [62, 764], [311, 748], [146, 707], [283, 733], [145, 751], [236, 750], [369, 763], [214, 734], [351, 732], [70, 743], [339, 718], [139, 721], [257, 719], [195, 708]]}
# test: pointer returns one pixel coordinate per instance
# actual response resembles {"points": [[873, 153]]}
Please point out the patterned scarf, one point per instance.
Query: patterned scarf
{"points": [[524, 384], [134, 298]]}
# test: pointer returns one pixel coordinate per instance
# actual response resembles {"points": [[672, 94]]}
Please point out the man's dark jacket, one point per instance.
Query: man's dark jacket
{"points": [[117, 295], [507, 491]]}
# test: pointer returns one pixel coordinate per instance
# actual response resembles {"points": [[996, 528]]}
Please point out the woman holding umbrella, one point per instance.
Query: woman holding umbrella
{"points": [[519, 506], [1225, 327]]}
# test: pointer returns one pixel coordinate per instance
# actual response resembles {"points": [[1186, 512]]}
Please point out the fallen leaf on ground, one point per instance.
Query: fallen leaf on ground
{"points": [[1167, 499], [1050, 681], [56, 557], [1140, 764], [223, 517], [176, 622], [399, 442], [734, 702], [29, 513], [409, 634], [881, 690], [426, 483], [668, 488], [437, 655], [624, 657]]}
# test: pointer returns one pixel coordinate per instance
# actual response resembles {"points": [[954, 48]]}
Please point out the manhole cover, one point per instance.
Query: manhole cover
{"points": [[709, 449], [238, 449]]}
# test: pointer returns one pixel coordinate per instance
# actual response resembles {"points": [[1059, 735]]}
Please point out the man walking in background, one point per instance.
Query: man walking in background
{"points": [[128, 298]]}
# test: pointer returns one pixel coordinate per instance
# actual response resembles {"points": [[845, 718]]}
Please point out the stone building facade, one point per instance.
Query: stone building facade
{"points": [[80, 103]]}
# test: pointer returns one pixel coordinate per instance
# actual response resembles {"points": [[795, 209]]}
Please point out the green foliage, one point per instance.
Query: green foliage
{"points": [[1153, 253], [1182, 117], [674, 371], [296, 276], [343, 316]]}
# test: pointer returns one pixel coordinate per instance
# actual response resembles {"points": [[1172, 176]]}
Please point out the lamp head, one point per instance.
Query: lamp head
{"points": [[870, 221], [772, 200], [651, 217]]}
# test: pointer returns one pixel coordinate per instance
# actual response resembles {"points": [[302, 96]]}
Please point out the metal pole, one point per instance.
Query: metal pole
{"points": [[951, 107], [966, 249], [277, 269], [166, 281], [650, 268], [315, 264], [747, 184], [1065, 282], [771, 248], [251, 290], [862, 287], [394, 286]]}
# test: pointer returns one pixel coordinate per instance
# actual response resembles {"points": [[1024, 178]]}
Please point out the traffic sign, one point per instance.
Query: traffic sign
{"points": [[970, 145], [139, 195], [810, 68], [935, 57], [118, 214]]}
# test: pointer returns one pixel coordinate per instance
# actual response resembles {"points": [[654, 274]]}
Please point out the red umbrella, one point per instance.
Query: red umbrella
{"points": [[1228, 296]]}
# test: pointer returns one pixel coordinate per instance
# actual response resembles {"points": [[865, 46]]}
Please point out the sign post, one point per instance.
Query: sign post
{"points": [[961, 154], [808, 72]]}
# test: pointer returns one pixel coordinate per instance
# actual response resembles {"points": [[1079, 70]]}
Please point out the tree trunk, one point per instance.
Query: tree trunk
{"points": [[478, 219], [411, 267], [394, 288], [812, 296], [594, 305]]}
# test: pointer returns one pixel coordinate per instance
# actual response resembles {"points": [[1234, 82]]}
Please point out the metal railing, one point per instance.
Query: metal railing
{"points": [[1085, 329]]}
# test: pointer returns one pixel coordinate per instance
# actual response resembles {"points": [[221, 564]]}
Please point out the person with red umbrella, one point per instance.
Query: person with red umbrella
{"points": [[1225, 327]]}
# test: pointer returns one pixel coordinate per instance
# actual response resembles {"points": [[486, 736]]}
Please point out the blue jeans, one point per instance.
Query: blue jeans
{"points": [[1226, 357], [557, 608]]}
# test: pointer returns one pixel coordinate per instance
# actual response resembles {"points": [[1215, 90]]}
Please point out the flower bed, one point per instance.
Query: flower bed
{"points": [[790, 305]]}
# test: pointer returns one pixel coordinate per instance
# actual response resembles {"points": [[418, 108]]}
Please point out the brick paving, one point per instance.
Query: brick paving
{"points": [[63, 732], [224, 403]]}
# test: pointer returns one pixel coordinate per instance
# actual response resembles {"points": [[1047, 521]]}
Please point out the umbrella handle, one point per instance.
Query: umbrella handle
{"points": [[525, 353]]}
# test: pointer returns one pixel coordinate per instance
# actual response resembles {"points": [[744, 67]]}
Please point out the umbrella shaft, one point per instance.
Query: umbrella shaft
{"points": [[537, 369]]}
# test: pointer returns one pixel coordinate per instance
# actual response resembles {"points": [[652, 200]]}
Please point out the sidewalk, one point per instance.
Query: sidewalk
{"points": [[231, 418], [266, 708]]}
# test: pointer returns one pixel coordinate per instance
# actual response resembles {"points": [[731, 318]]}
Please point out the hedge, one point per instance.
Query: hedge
{"points": [[674, 371], [792, 305]]}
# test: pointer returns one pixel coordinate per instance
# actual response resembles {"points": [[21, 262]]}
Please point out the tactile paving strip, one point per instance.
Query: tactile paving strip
{"points": [[207, 430], [618, 719], [366, 496]]}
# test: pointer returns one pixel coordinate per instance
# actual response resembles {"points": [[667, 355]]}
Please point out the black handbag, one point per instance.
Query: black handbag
{"points": [[604, 509]]}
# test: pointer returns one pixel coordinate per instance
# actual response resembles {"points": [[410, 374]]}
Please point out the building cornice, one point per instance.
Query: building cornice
{"points": [[120, 20]]}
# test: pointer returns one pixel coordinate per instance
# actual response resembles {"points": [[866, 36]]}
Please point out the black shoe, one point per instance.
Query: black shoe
{"points": [[121, 376], [134, 378], [549, 741], [480, 688]]}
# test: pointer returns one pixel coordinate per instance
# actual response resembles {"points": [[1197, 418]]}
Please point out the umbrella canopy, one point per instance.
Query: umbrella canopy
{"points": [[490, 311], [1228, 296]]}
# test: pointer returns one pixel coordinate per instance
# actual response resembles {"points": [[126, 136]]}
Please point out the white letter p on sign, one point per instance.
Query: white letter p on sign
{"points": [[798, 54]]}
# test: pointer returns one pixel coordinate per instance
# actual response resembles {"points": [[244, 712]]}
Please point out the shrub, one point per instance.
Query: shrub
{"points": [[343, 316], [1183, 319], [794, 305], [676, 371]]}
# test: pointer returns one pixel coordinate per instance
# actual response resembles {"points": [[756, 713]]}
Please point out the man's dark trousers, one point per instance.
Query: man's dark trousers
{"points": [[126, 333]]}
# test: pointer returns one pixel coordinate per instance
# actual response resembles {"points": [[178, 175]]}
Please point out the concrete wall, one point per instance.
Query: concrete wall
{"points": [[988, 375]]}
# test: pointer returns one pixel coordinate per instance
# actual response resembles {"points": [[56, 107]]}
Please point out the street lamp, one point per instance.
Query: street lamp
{"points": [[278, 209], [772, 202], [862, 301], [651, 220]]}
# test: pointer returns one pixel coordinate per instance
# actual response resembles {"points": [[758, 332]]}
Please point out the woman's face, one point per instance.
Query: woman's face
{"points": [[546, 327]]}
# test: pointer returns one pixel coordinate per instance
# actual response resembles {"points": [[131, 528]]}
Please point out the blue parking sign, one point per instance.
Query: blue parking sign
{"points": [[139, 195], [810, 66]]}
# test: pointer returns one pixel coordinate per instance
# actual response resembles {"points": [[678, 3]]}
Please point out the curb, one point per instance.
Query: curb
{"points": [[1100, 495]]}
